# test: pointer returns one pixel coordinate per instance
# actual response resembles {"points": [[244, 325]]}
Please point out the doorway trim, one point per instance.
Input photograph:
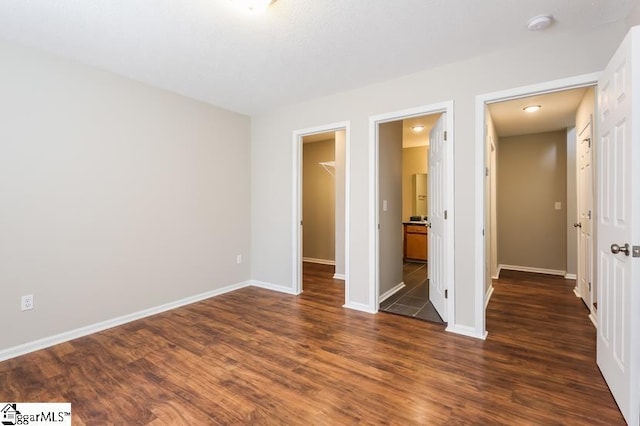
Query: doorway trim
{"points": [[296, 241], [374, 236], [482, 101]]}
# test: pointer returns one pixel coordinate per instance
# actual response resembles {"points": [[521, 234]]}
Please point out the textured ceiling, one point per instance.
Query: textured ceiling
{"points": [[298, 49]]}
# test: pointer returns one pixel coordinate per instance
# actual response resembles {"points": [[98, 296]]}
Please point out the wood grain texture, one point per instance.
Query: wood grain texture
{"points": [[258, 357]]}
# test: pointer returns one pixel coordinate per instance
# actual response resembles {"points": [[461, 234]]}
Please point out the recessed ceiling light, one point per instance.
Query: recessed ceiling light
{"points": [[254, 5], [417, 128], [539, 22], [532, 108]]}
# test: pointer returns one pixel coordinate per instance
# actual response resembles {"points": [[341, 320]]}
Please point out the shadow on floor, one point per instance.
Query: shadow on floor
{"points": [[413, 299]]}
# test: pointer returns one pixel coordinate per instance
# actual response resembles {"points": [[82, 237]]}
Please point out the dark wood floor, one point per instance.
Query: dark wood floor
{"points": [[259, 357]]}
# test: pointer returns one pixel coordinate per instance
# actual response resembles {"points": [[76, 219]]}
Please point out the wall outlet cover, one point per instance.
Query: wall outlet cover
{"points": [[26, 302]]}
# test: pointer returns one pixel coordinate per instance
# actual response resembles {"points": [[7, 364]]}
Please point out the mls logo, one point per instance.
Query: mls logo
{"points": [[9, 413]]}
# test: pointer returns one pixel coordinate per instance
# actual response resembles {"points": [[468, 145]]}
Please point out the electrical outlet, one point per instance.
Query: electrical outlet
{"points": [[239, 259], [26, 302]]}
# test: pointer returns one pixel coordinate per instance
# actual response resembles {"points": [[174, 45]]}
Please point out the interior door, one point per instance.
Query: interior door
{"points": [[585, 217], [437, 215], [618, 226]]}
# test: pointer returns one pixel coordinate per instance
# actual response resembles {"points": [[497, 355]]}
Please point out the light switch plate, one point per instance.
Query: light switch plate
{"points": [[558, 205]]}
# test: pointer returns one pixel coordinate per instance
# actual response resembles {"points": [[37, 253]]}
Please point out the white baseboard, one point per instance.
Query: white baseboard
{"points": [[46, 342], [273, 287], [498, 270], [387, 294], [339, 277], [593, 320], [576, 291], [319, 261], [487, 296], [466, 331], [570, 276], [359, 307], [534, 270]]}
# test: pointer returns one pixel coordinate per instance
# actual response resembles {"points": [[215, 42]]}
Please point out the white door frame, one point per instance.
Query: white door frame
{"points": [[480, 221], [296, 233], [374, 242]]}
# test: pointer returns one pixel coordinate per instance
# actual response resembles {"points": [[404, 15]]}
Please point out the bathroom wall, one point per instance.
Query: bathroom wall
{"points": [[390, 209], [414, 160]]}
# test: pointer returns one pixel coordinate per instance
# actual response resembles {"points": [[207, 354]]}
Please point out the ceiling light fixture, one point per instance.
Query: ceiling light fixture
{"points": [[254, 5], [417, 128], [540, 22], [532, 108]]}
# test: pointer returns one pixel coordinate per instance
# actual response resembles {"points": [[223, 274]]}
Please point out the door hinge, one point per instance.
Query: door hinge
{"points": [[445, 135], [483, 232], [300, 223], [486, 171], [588, 141], [445, 215], [589, 215], [446, 294], [589, 286], [378, 226]]}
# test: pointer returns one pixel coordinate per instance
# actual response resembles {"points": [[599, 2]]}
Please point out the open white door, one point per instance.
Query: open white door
{"points": [[585, 218], [618, 226], [437, 217]]}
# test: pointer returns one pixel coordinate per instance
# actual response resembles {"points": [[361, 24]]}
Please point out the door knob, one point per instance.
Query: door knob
{"points": [[577, 225], [615, 249]]}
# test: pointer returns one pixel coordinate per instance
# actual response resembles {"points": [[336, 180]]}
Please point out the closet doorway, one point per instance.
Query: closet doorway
{"points": [[320, 209]]}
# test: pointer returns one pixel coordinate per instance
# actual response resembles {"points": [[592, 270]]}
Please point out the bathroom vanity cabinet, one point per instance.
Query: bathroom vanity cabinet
{"points": [[415, 242]]}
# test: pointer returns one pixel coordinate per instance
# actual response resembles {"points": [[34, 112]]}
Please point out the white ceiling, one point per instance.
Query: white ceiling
{"points": [[558, 112], [318, 137], [299, 49], [411, 138]]}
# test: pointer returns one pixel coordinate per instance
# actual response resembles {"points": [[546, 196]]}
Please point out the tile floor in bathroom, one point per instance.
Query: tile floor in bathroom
{"points": [[413, 299]]}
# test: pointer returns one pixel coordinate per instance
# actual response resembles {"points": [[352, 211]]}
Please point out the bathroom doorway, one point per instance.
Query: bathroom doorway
{"points": [[414, 220]]}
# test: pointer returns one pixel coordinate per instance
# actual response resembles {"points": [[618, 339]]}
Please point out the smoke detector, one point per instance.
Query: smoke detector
{"points": [[539, 22]]}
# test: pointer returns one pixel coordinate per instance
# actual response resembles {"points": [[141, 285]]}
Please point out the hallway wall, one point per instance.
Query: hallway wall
{"points": [[532, 177]]}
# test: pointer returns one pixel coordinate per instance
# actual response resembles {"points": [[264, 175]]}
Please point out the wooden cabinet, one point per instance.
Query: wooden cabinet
{"points": [[415, 242]]}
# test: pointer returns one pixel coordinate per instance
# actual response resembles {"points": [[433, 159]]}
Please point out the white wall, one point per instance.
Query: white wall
{"points": [[634, 16], [491, 194], [572, 203], [552, 56], [115, 196], [340, 153]]}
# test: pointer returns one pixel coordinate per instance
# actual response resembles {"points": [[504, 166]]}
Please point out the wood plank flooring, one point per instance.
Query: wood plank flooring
{"points": [[258, 357]]}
